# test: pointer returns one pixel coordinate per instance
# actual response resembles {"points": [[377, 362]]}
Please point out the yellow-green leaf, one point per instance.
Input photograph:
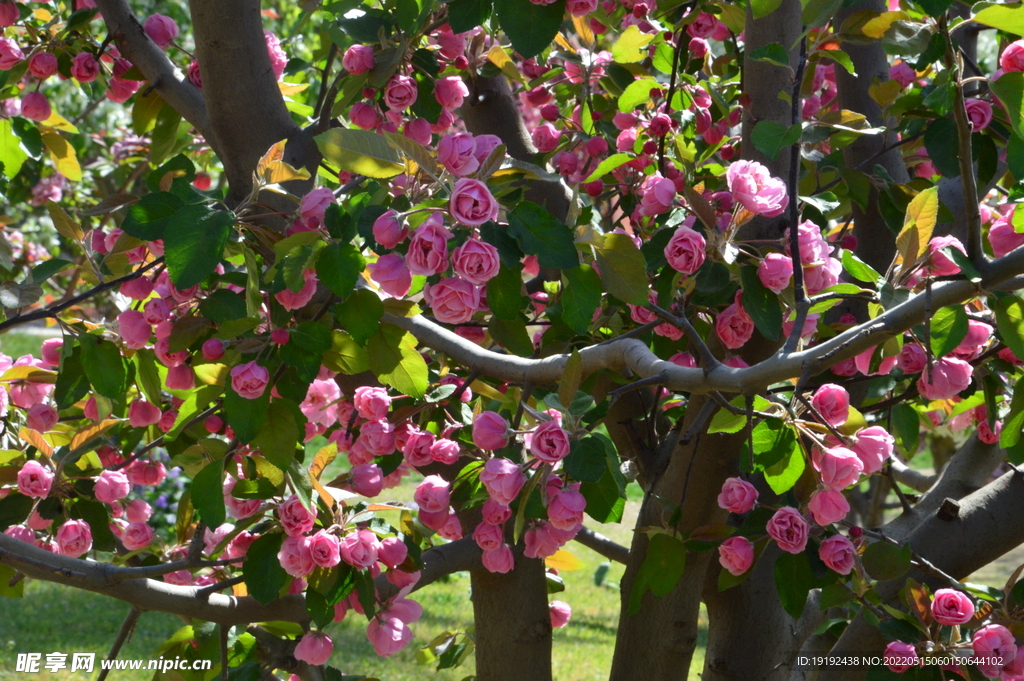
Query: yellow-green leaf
{"points": [[63, 156], [631, 47], [572, 376], [1008, 17], [923, 211], [876, 28], [62, 222], [359, 151], [393, 358], [623, 269]]}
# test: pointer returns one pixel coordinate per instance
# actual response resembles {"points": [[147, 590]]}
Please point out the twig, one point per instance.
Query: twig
{"points": [[636, 385], [331, 54], [127, 627], [160, 440], [219, 586], [799, 291], [904, 502], [708, 359], [706, 410]]}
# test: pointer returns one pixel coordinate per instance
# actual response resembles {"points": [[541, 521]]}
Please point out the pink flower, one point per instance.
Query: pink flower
{"points": [[581, 8], [450, 91], [685, 251], [912, 359], [734, 326], [472, 203], [503, 480], [561, 613], [941, 265], [111, 486], [1012, 58], [820, 277], [832, 402], [388, 634], [360, 548], [1004, 238], [903, 74], [979, 113], [476, 261], [363, 116], [775, 271], [828, 506], [549, 442], [138, 511], [565, 510], [42, 65], [9, 13], [433, 494], [753, 186], [973, 344], [74, 538], [789, 529], [315, 203], [873, 445], [540, 541], [389, 230], [490, 430], [160, 29], [137, 536], [314, 648], [545, 137], [994, 640], [488, 537], [358, 59], [657, 194], [445, 451], [366, 479], [391, 273], [249, 380], [142, 413], [418, 130], [454, 300], [134, 329], [499, 560], [34, 106], [147, 473], [324, 549], [392, 552], [456, 153], [839, 467], [900, 656], [42, 417], [84, 67], [495, 513], [320, 406], [949, 376], [838, 553], [400, 92], [294, 300], [737, 496], [278, 59], [951, 607], [295, 518], [10, 54], [736, 554], [372, 403], [417, 448], [34, 480], [428, 250]]}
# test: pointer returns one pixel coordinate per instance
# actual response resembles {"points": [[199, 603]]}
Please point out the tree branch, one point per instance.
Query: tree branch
{"points": [[136, 47], [439, 561], [913, 479], [603, 545]]}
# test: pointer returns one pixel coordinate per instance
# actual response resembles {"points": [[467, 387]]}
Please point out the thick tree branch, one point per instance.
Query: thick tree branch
{"points": [[136, 47], [603, 545], [914, 479]]}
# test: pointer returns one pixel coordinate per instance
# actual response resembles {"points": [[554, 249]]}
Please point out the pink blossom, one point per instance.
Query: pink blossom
{"points": [[753, 186], [445, 451], [111, 486], [503, 480], [134, 329], [84, 67], [372, 403], [775, 272], [560, 612], [137, 536], [428, 249], [912, 359], [34, 105], [324, 549], [540, 541], [549, 442], [941, 265], [951, 607], [545, 137], [433, 494], [149, 473], [994, 641], [360, 548], [685, 251], [490, 430], [250, 380], [453, 300], [828, 506], [456, 153], [736, 554], [42, 65], [949, 376], [160, 29], [476, 261], [392, 274], [392, 552], [565, 509], [389, 230], [363, 116], [973, 344], [138, 511], [499, 560], [838, 553], [74, 538], [839, 467], [320, 405], [903, 74], [737, 496], [417, 448], [358, 59], [472, 203], [142, 413], [450, 91], [734, 326], [400, 92], [314, 648], [42, 417], [1012, 58], [34, 480], [294, 300], [979, 113], [10, 54], [832, 402], [789, 529], [315, 203], [367, 480], [488, 537], [295, 518], [657, 194], [1003, 237], [9, 13], [278, 59], [900, 656]]}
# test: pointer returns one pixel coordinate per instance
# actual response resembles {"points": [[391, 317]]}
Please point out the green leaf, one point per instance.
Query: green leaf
{"points": [[278, 436], [12, 154], [504, 292], [14, 509], [508, 249], [148, 218], [782, 475], [264, 576], [636, 93], [245, 416], [1010, 322], [661, 570], [1015, 161], [338, 267], [773, 53], [540, 233], [940, 139], [147, 376], [793, 580], [773, 441], [104, 366], [761, 304], [1010, 91], [194, 243], [207, 494], [530, 27], [586, 461], [580, 297], [1008, 17], [360, 152], [465, 15], [604, 503], [885, 561], [631, 47], [907, 427], [72, 383], [818, 12], [771, 137], [858, 269], [763, 8], [47, 269], [512, 334], [305, 349], [360, 315], [608, 165], [394, 359], [948, 329], [623, 269]]}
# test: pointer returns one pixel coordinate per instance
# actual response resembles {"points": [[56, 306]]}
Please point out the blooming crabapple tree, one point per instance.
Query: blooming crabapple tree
{"points": [[301, 252]]}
